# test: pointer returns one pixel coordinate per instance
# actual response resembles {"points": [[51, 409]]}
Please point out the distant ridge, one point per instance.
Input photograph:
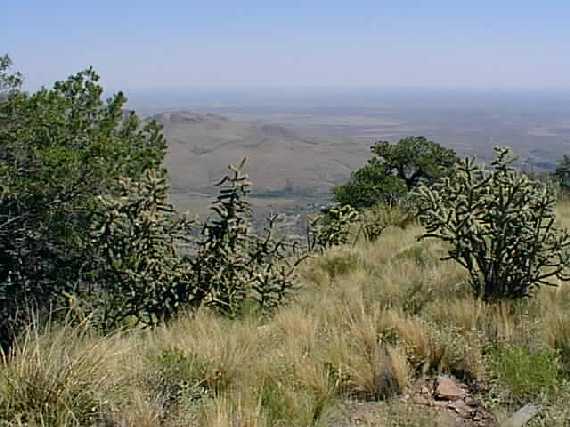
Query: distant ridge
{"points": [[280, 161], [186, 117]]}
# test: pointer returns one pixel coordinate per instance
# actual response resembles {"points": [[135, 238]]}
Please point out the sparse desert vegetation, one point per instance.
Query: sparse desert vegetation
{"points": [[371, 326], [117, 310]]}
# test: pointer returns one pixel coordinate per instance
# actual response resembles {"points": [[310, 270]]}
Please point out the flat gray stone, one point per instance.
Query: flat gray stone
{"points": [[522, 416]]}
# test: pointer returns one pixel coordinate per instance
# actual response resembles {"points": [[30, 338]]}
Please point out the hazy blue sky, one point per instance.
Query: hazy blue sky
{"points": [[185, 43]]}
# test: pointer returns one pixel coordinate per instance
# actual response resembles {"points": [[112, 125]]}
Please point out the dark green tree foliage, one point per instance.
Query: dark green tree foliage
{"points": [[500, 226], [394, 170], [136, 266], [60, 149], [234, 266], [369, 186], [10, 82], [415, 160]]}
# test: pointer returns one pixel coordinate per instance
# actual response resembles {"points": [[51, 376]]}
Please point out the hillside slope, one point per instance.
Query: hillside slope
{"points": [[280, 162], [364, 342]]}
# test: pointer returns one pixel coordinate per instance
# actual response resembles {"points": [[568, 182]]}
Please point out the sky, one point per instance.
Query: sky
{"points": [[183, 44]]}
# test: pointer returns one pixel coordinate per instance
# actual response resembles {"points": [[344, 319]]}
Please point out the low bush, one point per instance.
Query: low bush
{"points": [[375, 220], [177, 378], [60, 149], [137, 272]]}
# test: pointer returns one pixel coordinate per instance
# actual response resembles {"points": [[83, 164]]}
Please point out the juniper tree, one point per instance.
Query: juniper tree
{"points": [[394, 171], [60, 148]]}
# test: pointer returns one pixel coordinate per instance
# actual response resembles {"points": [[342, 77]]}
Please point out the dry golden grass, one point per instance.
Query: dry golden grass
{"points": [[368, 322], [63, 376]]}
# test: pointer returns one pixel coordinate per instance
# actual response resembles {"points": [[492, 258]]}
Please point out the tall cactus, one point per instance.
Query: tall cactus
{"points": [[220, 266], [500, 226], [233, 265]]}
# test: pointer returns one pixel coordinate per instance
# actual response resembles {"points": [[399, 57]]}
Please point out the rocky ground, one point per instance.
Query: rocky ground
{"points": [[444, 400]]}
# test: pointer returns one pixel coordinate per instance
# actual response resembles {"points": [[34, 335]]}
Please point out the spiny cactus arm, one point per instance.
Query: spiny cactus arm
{"points": [[238, 169], [557, 265]]}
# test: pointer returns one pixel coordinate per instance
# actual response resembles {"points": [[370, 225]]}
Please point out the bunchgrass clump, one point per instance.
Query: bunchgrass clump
{"points": [[526, 373]]}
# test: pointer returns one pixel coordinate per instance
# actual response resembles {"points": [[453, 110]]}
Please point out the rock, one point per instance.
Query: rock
{"points": [[472, 402], [460, 407], [447, 389], [522, 416]]}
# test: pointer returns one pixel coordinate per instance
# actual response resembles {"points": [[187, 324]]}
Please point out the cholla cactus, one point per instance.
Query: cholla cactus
{"points": [[274, 263], [232, 264], [136, 267], [221, 263], [500, 226], [375, 220], [332, 227]]}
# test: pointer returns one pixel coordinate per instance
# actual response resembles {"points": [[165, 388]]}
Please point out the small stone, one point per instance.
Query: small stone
{"points": [[458, 406], [472, 402], [447, 389]]}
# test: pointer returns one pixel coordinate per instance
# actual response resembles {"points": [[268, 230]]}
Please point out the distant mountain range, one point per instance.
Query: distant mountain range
{"points": [[296, 154]]}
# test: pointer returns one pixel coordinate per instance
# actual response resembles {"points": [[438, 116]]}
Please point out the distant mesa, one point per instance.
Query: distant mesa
{"points": [[277, 131], [187, 117]]}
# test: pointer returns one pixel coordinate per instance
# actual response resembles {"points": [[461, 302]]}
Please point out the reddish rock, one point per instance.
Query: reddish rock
{"points": [[447, 389]]}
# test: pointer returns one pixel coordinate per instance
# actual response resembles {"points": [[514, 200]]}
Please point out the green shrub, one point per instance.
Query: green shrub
{"points": [[394, 171], [85, 222], [375, 220], [284, 405], [419, 254], [60, 149], [368, 186], [500, 226], [338, 264], [527, 374], [177, 378]]}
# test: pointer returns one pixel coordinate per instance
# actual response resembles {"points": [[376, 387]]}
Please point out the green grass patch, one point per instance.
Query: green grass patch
{"points": [[526, 373]]}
